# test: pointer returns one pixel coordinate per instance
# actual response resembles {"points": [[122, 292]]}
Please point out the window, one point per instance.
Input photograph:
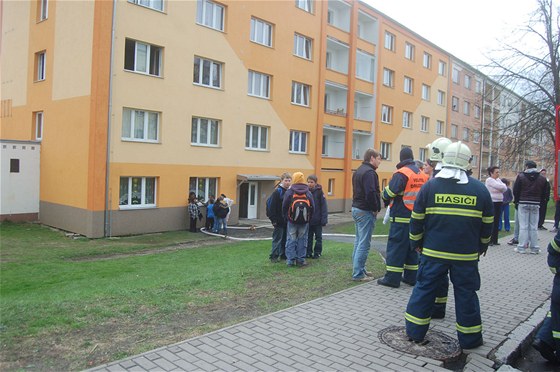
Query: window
{"points": [[477, 112], [478, 86], [455, 76], [256, 137], [259, 84], [476, 136], [306, 5], [408, 82], [426, 92], [422, 154], [139, 125], [205, 132], [261, 32], [390, 41], [300, 94], [409, 51], [38, 125], [137, 192], [302, 46], [442, 68], [14, 165], [455, 103], [388, 77], [207, 72], [154, 4], [427, 60], [330, 189], [385, 150], [386, 114], [210, 14], [424, 124], [454, 130], [466, 134], [203, 187], [325, 146], [467, 82], [43, 10], [298, 142], [407, 119], [466, 108], [40, 65], [364, 66], [474, 161], [142, 57], [439, 127], [441, 98]]}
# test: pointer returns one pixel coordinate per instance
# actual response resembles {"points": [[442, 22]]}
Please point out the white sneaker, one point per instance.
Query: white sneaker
{"points": [[535, 251], [520, 250]]}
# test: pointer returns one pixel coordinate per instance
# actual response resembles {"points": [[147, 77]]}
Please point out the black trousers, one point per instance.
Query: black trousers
{"points": [[497, 216], [542, 212]]}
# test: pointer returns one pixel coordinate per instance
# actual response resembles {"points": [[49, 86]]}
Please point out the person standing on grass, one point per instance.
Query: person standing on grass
{"points": [[194, 212], [496, 188], [277, 219], [366, 203], [298, 207], [318, 220]]}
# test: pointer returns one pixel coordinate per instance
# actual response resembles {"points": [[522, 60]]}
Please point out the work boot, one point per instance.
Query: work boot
{"points": [[545, 349]]}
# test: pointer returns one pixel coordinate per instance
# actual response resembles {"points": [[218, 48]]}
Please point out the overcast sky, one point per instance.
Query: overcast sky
{"points": [[465, 28]]}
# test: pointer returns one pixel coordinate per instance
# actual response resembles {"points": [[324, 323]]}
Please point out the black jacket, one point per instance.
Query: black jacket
{"points": [[530, 188], [320, 214], [365, 185], [276, 216]]}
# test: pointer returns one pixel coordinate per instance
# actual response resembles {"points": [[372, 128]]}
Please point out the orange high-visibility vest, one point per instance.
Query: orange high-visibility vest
{"points": [[413, 185]]}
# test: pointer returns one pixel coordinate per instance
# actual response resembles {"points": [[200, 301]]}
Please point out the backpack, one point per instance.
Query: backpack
{"points": [[269, 201], [300, 209]]}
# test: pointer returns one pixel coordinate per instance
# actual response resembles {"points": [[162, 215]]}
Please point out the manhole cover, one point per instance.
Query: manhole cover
{"points": [[436, 345]]}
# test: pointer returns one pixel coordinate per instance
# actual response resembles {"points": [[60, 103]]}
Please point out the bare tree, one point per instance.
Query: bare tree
{"points": [[528, 64]]}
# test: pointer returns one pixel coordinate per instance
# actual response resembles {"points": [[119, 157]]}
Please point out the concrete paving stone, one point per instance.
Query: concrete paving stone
{"points": [[189, 348], [264, 338], [223, 366], [395, 359], [127, 364], [144, 362], [207, 357], [246, 340], [196, 342], [335, 359], [189, 357], [114, 368], [225, 342], [184, 365], [339, 367], [164, 364], [166, 354], [246, 358], [152, 356], [358, 360], [228, 357], [205, 366], [246, 350], [282, 367]]}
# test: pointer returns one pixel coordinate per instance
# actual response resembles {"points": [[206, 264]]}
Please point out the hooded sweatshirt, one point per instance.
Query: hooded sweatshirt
{"points": [[299, 187], [529, 187]]}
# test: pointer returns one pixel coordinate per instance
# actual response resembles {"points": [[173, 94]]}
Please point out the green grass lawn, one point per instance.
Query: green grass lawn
{"points": [[69, 304]]}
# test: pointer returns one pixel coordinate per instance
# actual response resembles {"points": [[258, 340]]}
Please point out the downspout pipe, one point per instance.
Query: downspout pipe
{"points": [[107, 216]]}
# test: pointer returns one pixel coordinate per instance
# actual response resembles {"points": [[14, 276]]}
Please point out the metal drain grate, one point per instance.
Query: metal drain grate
{"points": [[436, 345]]}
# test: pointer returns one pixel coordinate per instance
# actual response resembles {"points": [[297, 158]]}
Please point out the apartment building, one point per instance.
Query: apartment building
{"points": [[135, 103]]}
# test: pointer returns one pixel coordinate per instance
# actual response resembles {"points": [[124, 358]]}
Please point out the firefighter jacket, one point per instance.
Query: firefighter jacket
{"points": [[403, 189], [553, 258], [452, 221]]}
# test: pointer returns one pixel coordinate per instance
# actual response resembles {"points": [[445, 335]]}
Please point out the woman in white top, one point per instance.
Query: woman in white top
{"points": [[497, 188]]}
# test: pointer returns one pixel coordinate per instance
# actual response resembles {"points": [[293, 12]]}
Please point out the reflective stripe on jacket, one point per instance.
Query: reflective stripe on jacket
{"points": [[413, 186]]}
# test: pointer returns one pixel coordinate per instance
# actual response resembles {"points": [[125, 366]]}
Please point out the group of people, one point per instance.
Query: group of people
{"points": [[217, 213], [298, 212]]}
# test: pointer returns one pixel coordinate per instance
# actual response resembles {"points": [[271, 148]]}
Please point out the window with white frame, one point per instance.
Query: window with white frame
{"points": [[441, 98], [306, 5], [210, 14], [385, 149], [466, 108], [302, 46], [142, 57], [140, 125], [477, 112], [422, 154], [298, 142], [408, 85], [455, 76], [407, 119], [386, 114], [454, 131], [478, 86], [137, 192], [364, 66], [261, 32], [388, 77], [455, 103], [43, 9], [426, 92], [330, 188], [256, 137], [409, 51], [203, 187], [466, 134], [427, 60], [38, 123], [205, 131], [467, 82], [424, 124], [153, 4], [300, 93], [442, 68], [40, 65], [207, 72], [390, 41], [439, 127], [476, 136], [474, 161], [259, 84]]}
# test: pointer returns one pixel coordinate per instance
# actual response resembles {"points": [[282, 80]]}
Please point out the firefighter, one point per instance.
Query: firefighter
{"points": [[450, 226], [401, 262]]}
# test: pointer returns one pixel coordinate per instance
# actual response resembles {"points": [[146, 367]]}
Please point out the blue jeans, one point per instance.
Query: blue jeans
{"points": [[296, 243], [528, 215], [365, 222], [220, 224], [505, 216]]}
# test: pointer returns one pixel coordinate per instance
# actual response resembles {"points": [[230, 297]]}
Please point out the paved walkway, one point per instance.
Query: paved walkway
{"points": [[340, 332]]}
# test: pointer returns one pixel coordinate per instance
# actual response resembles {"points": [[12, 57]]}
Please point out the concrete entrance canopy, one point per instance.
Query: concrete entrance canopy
{"points": [[242, 178]]}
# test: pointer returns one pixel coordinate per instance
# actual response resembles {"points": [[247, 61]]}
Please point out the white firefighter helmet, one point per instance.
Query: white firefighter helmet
{"points": [[437, 148], [457, 155]]}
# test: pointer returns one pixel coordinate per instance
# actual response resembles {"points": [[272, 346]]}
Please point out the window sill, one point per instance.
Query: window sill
{"points": [[136, 207], [258, 150], [139, 141]]}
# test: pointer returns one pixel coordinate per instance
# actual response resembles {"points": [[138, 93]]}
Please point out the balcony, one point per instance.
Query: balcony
{"points": [[337, 56], [339, 14], [364, 106], [335, 99], [367, 28]]}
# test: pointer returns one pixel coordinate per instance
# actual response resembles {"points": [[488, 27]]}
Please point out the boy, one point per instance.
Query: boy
{"points": [[318, 219]]}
